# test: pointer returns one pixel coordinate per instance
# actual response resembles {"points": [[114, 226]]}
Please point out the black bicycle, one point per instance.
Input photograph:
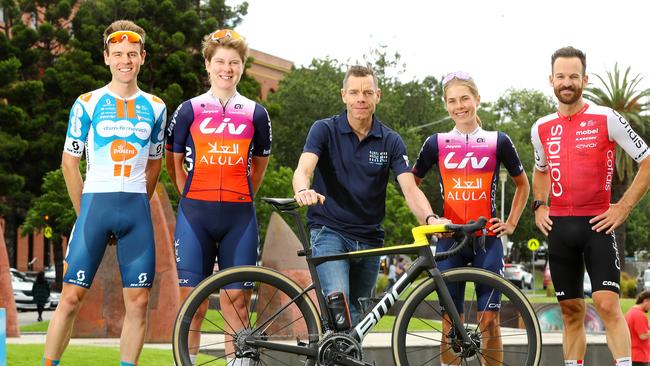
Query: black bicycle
{"points": [[259, 316]]}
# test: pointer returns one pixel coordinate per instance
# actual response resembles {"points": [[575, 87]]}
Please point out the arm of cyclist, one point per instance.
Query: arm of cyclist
{"points": [[619, 211], [180, 174], [258, 169], [152, 172], [522, 190], [169, 166], [303, 195], [73, 181], [417, 201], [541, 190]]}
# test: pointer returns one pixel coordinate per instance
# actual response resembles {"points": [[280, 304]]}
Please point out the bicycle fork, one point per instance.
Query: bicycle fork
{"points": [[448, 305]]}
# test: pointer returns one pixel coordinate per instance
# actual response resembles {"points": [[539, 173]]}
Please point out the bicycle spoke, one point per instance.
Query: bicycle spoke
{"points": [[495, 340]]}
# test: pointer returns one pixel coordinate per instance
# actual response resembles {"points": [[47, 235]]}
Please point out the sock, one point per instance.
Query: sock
{"points": [[624, 361], [573, 363], [123, 363], [50, 362], [193, 359]]}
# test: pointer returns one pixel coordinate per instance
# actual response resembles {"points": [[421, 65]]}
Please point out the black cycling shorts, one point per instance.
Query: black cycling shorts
{"points": [[574, 246]]}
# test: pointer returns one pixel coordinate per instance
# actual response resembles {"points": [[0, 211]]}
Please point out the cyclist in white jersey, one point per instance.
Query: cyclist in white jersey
{"points": [[122, 130]]}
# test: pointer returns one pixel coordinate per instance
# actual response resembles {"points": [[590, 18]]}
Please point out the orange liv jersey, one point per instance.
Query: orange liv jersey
{"points": [[468, 165], [218, 143]]}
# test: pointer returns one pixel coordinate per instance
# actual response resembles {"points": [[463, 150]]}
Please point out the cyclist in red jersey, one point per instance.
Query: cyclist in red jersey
{"points": [[218, 149], [574, 165], [467, 160]]}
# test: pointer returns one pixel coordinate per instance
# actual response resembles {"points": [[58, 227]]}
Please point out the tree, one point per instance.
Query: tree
{"points": [[621, 92], [304, 96]]}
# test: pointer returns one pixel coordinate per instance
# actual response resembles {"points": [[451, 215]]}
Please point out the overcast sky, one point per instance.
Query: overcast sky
{"points": [[501, 44]]}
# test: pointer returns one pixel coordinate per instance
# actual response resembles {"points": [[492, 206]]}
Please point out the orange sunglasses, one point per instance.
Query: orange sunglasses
{"points": [[225, 35], [119, 36]]}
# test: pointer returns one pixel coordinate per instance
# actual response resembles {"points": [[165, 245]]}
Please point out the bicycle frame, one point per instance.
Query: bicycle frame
{"points": [[424, 262]]}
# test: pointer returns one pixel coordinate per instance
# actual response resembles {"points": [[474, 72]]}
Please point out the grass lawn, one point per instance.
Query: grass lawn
{"points": [[31, 354]]}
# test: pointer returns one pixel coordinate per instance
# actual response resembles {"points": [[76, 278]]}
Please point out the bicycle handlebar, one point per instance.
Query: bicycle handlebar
{"points": [[420, 234]]}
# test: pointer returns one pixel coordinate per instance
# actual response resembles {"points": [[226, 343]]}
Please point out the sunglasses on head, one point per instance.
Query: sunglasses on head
{"points": [[119, 36], [461, 75], [225, 35]]}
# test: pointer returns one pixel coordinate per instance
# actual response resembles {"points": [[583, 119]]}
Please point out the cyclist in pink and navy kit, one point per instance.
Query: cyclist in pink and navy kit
{"points": [[467, 161], [575, 157], [218, 148]]}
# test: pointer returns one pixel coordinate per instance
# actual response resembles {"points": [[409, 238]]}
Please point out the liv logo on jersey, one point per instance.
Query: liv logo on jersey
{"points": [[468, 158], [232, 129]]}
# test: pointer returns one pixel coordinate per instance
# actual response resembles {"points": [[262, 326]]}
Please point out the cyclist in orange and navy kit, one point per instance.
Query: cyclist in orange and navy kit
{"points": [[219, 143], [122, 130], [575, 157], [467, 161]]}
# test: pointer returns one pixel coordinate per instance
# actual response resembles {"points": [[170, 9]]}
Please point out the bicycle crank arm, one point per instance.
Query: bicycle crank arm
{"points": [[346, 360]]}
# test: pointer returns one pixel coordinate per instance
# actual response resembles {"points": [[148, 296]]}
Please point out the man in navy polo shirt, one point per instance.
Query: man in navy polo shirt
{"points": [[351, 156]]}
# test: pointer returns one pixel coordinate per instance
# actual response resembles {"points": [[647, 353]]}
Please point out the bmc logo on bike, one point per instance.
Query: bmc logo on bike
{"points": [[232, 129], [469, 158]]}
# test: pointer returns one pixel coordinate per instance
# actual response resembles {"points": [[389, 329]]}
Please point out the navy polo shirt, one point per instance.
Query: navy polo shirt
{"points": [[353, 175]]}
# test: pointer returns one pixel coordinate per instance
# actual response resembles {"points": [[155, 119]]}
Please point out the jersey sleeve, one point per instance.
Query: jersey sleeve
{"points": [[399, 160], [316, 138], [78, 127], [179, 128], [507, 154], [540, 157], [620, 131], [263, 136], [427, 157], [157, 137]]}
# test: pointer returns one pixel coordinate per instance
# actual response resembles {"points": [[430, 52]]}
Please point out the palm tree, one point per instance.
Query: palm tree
{"points": [[621, 92]]}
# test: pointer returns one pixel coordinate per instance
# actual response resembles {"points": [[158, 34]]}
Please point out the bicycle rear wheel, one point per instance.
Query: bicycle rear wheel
{"points": [[502, 332], [243, 304]]}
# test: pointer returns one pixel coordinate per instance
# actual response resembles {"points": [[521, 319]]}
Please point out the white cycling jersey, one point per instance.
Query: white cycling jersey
{"points": [[119, 135]]}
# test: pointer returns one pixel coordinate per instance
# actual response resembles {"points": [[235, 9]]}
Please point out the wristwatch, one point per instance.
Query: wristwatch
{"points": [[536, 203]]}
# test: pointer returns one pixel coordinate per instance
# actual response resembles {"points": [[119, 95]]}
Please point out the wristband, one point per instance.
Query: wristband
{"points": [[426, 219], [301, 190]]}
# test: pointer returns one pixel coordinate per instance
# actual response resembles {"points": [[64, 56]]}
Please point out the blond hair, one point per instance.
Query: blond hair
{"points": [[469, 83], [209, 47], [123, 25]]}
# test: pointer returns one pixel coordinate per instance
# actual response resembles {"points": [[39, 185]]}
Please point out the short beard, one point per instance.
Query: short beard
{"points": [[577, 94]]}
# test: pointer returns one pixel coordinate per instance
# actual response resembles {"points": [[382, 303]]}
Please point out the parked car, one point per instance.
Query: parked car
{"points": [[519, 275], [22, 288]]}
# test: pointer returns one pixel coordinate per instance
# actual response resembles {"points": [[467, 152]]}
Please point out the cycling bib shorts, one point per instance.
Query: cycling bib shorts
{"points": [[490, 258], [572, 246], [124, 214], [205, 230]]}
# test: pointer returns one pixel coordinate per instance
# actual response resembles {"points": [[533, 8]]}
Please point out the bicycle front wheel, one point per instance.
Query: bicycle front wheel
{"points": [[233, 307], [500, 323]]}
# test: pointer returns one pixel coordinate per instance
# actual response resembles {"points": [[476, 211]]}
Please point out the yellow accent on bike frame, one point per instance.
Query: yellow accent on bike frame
{"points": [[419, 235]]}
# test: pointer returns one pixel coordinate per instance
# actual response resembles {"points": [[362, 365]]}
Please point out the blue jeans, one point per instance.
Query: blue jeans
{"points": [[356, 278]]}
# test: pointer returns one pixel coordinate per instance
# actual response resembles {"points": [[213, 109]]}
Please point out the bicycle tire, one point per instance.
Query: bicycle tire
{"points": [[417, 346], [260, 305]]}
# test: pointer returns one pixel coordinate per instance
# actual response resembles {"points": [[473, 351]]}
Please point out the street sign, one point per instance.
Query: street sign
{"points": [[533, 244], [47, 232]]}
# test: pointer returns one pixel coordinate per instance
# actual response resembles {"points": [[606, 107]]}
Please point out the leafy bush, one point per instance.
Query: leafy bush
{"points": [[628, 285]]}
